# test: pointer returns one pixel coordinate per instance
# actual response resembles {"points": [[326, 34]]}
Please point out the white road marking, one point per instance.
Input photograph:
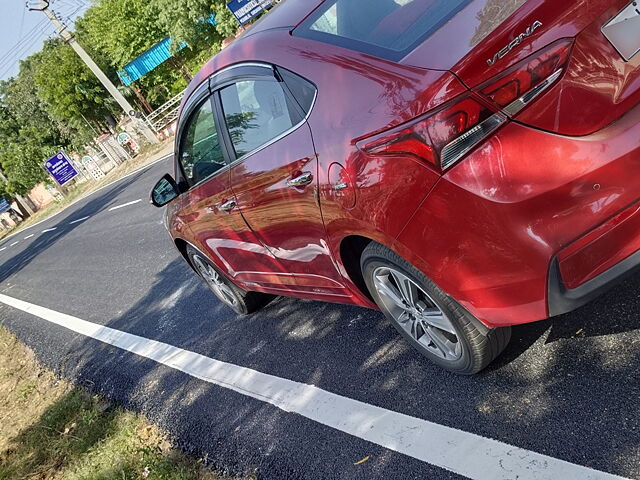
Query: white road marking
{"points": [[461, 452], [79, 220], [14, 243], [29, 236], [125, 205], [3, 248], [49, 229]]}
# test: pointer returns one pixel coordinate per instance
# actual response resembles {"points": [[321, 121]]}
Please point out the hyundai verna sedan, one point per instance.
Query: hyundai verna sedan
{"points": [[461, 165]]}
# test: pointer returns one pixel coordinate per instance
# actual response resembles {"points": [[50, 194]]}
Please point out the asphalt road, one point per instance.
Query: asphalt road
{"points": [[567, 388]]}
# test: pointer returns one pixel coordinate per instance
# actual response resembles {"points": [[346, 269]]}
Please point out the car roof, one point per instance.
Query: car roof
{"points": [[284, 16], [288, 13]]}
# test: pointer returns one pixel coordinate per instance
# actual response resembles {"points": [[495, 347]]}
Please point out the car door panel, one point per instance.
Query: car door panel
{"points": [[287, 218], [208, 205], [275, 185]]}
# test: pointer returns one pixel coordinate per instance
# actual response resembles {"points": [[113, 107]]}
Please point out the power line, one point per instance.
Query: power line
{"points": [[26, 42], [38, 29], [12, 57], [26, 37]]}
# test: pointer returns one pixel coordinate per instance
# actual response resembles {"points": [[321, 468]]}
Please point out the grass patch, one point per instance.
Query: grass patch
{"points": [[52, 430], [148, 154]]}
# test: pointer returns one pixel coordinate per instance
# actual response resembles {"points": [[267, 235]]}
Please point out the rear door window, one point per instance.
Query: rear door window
{"points": [[302, 90], [256, 113], [385, 28]]}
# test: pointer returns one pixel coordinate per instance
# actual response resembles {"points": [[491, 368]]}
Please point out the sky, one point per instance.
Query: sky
{"points": [[22, 32]]}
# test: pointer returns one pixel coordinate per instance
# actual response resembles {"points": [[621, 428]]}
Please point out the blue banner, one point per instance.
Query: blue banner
{"points": [[246, 10], [4, 206], [60, 168]]}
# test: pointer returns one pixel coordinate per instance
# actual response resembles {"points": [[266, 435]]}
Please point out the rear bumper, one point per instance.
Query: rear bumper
{"points": [[563, 300], [533, 224], [595, 262]]}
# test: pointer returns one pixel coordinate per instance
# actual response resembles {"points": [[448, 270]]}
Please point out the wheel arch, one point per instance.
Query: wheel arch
{"points": [[350, 251], [351, 248], [181, 245]]}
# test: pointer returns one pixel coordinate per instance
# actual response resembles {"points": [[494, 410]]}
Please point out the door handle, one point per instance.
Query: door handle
{"points": [[301, 180], [227, 206]]}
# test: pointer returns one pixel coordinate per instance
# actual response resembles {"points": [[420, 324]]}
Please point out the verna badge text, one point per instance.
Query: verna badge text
{"points": [[514, 43]]}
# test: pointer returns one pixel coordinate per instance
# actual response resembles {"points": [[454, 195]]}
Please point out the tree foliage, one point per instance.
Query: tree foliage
{"points": [[120, 29], [185, 20], [29, 134], [72, 93], [56, 101]]}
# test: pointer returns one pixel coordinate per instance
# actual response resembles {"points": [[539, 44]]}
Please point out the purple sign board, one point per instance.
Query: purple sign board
{"points": [[60, 168], [245, 10]]}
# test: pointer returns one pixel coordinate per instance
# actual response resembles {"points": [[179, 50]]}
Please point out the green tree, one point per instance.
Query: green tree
{"points": [[73, 94], [120, 29], [56, 101], [29, 134], [185, 20]]}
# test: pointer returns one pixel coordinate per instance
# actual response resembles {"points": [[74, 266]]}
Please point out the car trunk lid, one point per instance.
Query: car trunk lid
{"points": [[487, 37]]}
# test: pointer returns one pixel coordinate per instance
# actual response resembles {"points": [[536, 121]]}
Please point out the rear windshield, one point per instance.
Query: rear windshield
{"points": [[385, 28]]}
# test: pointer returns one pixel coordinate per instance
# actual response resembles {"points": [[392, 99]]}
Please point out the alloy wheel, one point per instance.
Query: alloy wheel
{"points": [[215, 281], [417, 314]]}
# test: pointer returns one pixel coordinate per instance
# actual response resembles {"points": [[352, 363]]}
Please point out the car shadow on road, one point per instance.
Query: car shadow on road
{"points": [[569, 378]]}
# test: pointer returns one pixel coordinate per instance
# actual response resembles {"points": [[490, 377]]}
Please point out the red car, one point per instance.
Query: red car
{"points": [[461, 165]]}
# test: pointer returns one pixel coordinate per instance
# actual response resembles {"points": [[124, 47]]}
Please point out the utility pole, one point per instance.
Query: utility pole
{"points": [[111, 88]]}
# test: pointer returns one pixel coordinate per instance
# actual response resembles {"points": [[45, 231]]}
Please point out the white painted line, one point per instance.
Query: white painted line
{"points": [[79, 220], [461, 452], [3, 248], [49, 229], [29, 236], [14, 243], [125, 205]]}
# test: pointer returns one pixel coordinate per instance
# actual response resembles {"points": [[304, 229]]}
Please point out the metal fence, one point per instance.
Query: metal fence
{"points": [[103, 162], [162, 117]]}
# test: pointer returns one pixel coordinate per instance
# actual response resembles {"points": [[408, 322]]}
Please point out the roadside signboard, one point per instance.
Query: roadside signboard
{"points": [[4, 206], [246, 10], [60, 168]]}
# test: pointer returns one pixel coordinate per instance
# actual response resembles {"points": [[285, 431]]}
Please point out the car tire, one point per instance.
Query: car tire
{"points": [[240, 301], [434, 323]]}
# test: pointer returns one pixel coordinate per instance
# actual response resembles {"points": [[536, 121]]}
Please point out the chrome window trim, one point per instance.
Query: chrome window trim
{"points": [[262, 147], [239, 65], [206, 86], [268, 144]]}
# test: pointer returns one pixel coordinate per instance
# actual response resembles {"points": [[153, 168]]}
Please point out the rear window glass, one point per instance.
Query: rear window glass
{"points": [[385, 28]]}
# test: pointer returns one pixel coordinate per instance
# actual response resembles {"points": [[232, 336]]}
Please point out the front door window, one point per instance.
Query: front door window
{"points": [[200, 151]]}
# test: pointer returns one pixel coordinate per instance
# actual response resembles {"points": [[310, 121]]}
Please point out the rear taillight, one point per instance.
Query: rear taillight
{"points": [[514, 89], [444, 136]]}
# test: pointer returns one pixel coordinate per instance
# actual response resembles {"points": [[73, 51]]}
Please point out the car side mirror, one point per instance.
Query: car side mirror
{"points": [[164, 191]]}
